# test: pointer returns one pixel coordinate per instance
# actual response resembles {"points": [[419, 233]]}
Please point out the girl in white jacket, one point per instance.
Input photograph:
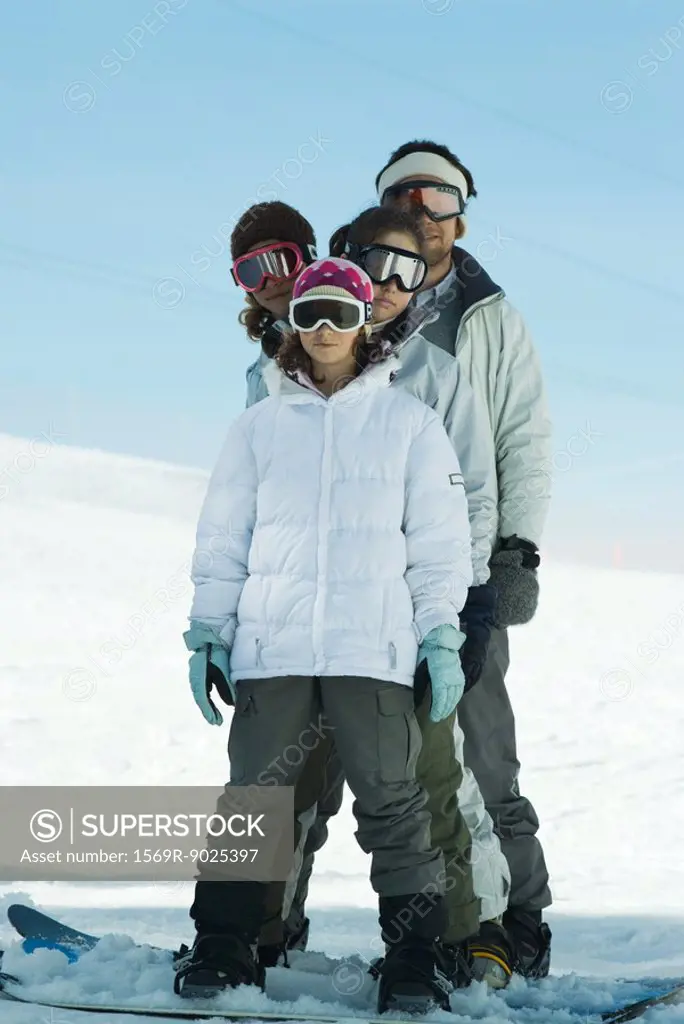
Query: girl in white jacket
{"points": [[333, 554]]}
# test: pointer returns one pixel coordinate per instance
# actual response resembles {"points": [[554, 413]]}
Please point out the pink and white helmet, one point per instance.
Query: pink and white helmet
{"points": [[334, 278]]}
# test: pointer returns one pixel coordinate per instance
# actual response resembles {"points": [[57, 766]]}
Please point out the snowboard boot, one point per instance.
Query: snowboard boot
{"points": [[215, 963], [458, 963], [532, 941], [492, 955], [413, 978]]}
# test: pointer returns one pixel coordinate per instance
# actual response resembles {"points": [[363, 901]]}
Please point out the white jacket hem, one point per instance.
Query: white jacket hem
{"points": [[238, 675]]}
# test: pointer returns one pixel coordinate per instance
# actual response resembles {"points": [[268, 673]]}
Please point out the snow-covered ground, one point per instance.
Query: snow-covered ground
{"points": [[94, 552]]}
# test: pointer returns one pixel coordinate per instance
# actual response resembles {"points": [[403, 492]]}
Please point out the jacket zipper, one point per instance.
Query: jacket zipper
{"points": [[468, 314], [393, 656], [322, 552], [257, 643]]}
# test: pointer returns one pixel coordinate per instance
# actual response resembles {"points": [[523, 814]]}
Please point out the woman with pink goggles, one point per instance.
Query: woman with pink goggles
{"points": [[270, 246]]}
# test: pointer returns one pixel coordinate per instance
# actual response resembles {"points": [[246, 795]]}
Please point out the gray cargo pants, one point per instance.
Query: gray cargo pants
{"points": [[439, 773], [378, 740], [488, 724]]}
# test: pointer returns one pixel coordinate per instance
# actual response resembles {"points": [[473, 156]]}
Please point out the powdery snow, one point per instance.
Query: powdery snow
{"points": [[95, 594]]}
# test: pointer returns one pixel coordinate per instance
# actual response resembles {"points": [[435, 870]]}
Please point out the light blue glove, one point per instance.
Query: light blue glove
{"points": [[440, 647], [209, 667]]}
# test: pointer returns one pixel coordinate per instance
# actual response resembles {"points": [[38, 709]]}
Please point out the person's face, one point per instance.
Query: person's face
{"points": [[388, 300], [329, 350], [438, 236], [274, 296]]}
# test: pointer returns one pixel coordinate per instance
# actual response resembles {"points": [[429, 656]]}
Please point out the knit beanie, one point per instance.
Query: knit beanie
{"points": [[272, 220], [332, 277]]}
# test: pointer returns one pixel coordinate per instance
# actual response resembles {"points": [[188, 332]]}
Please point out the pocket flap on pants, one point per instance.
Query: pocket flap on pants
{"points": [[396, 701]]}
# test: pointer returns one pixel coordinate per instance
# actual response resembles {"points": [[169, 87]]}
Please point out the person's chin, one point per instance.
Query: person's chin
{"points": [[434, 247], [383, 310], [278, 307]]}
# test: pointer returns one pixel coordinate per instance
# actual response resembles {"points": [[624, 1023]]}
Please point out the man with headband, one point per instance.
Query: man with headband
{"points": [[473, 321]]}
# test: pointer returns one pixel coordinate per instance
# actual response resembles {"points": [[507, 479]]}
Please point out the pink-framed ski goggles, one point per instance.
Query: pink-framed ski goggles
{"points": [[279, 261]]}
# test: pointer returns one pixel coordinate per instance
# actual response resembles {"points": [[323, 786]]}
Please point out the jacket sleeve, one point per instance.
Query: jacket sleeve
{"points": [[224, 536], [439, 565], [256, 388], [523, 433], [466, 420]]}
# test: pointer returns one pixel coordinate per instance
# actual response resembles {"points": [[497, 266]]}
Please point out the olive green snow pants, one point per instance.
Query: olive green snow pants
{"points": [[438, 772]]}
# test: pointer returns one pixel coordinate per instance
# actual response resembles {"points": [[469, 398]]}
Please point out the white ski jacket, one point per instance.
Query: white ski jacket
{"points": [[334, 534], [436, 378]]}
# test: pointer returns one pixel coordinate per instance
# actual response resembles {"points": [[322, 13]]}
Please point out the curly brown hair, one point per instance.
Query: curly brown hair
{"points": [[292, 357], [254, 318]]}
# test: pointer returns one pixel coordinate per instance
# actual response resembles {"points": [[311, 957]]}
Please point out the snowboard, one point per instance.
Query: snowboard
{"points": [[632, 1011], [10, 990], [192, 1013], [40, 931], [9, 986]]}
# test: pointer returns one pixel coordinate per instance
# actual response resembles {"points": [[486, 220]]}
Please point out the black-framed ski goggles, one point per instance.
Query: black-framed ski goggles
{"points": [[383, 263], [309, 312], [438, 201]]}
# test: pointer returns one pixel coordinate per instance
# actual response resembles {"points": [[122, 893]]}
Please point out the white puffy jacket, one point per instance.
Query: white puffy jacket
{"points": [[334, 534], [436, 378]]}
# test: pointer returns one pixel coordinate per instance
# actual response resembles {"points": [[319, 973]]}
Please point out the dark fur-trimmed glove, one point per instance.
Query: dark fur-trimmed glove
{"points": [[513, 571], [477, 621]]}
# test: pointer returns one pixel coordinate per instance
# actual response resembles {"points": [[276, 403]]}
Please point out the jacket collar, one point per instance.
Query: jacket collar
{"points": [[375, 376], [476, 284], [400, 330]]}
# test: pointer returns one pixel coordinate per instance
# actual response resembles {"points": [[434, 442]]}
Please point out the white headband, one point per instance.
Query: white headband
{"points": [[416, 164]]}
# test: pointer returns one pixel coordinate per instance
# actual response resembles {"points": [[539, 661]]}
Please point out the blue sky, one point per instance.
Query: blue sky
{"points": [[133, 135]]}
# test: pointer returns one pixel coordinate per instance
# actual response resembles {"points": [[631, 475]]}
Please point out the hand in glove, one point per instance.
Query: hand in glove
{"points": [[440, 649], [477, 622], [209, 667], [513, 572]]}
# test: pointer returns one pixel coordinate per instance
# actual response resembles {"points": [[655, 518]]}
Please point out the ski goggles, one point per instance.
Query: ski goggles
{"points": [[278, 261], [382, 263], [308, 313], [439, 202]]}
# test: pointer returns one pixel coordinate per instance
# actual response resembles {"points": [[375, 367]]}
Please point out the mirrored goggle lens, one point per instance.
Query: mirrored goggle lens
{"points": [[342, 315], [277, 263], [383, 264], [442, 201]]}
